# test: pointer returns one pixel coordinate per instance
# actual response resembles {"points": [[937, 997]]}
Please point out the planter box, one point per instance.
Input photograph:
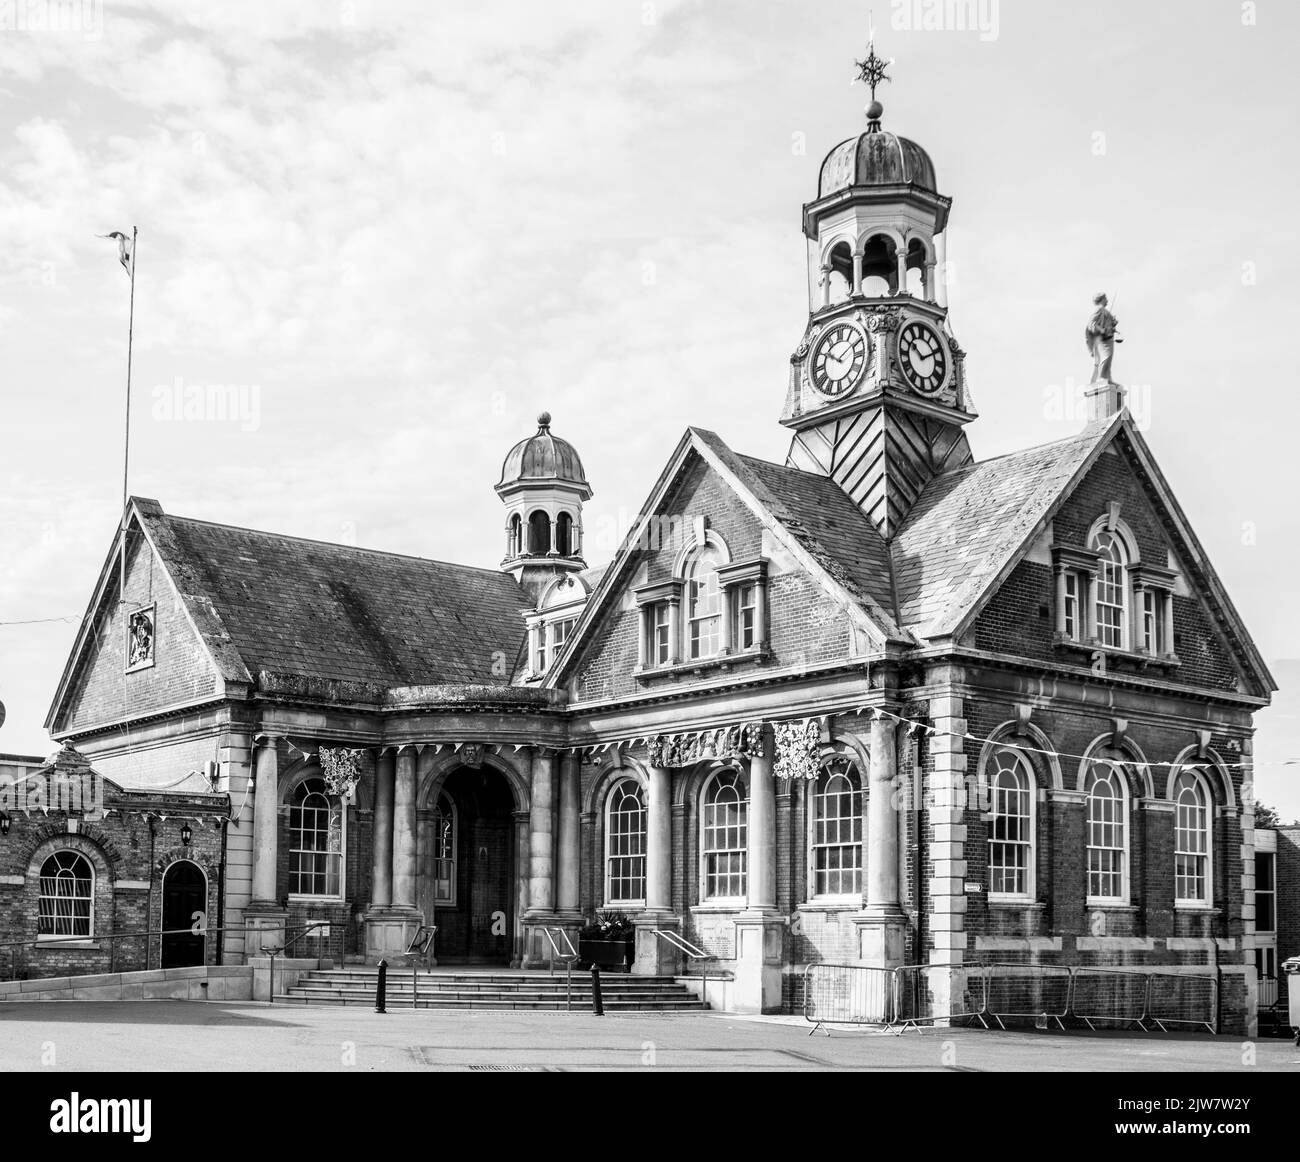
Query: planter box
{"points": [[615, 955]]}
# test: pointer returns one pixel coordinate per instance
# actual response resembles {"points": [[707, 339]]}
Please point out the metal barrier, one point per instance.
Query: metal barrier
{"points": [[921, 989], [1180, 998], [847, 994], [1041, 991], [1111, 995]]}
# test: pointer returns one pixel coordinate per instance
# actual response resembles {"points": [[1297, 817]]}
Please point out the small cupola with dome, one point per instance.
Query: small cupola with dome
{"points": [[543, 487]]}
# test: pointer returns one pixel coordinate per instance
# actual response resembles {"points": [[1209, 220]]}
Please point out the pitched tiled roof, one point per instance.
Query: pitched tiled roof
{"points": [[281, 604], [829, 525], [967, 527]]}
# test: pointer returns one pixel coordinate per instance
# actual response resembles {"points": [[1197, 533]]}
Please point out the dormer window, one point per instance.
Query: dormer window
{"points": [[716, 612]]}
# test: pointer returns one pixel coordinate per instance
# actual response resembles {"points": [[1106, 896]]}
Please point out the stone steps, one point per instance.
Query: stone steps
{"points": [[356, 986]]}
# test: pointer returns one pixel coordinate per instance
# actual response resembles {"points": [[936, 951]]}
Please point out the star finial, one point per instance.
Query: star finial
{"points": [[872, 72]]}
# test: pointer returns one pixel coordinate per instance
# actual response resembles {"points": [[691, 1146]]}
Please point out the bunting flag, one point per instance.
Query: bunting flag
{"points": [[125, 249]]}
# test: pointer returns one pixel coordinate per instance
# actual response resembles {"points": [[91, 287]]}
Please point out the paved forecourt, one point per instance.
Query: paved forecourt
{"points": [[190, 1036]]}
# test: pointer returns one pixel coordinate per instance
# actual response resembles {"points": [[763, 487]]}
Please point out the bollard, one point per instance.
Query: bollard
{"points": [[380, 987], [596, 1001]]}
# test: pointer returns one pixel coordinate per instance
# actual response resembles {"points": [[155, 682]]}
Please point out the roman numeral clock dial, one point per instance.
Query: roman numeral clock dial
{"points": [[838, 359], [922, 358]]}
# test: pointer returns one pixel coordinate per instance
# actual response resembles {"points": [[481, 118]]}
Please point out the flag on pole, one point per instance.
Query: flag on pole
{"points": [[124, 254]]}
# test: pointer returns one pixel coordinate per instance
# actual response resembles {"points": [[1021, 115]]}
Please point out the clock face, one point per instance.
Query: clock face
{"points": [[838, 359], [923, 358]]}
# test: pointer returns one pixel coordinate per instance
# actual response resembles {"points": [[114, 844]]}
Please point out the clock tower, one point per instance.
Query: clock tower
{"points": [[877, 396]]}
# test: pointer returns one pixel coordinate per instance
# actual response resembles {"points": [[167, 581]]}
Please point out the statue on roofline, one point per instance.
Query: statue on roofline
{"points": [[1101, 336]]}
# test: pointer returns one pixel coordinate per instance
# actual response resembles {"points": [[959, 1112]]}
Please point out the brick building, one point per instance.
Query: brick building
{"points": [[881, 703]]}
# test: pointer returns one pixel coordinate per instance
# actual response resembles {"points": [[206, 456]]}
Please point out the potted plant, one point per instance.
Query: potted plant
{"points": [[607, 941]]}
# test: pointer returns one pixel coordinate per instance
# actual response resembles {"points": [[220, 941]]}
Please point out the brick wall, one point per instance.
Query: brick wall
{"points": [[1021, 617]]}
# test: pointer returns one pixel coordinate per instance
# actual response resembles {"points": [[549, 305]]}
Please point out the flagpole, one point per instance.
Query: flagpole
{"points": [[126, 445]]}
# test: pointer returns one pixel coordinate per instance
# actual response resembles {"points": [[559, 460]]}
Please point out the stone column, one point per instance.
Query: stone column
{"points": [[1167, 615], [902, 270], [882, 924], [265, 916], [381, 861], [759, 930], [541, 859], [521, 891], [566, 892], [266, 823], [931, 291], [392, 917], [643, 648], [655, 956], [826, 286], [762, 833], [404, 831], [857, 272], [941, 253], [674, 631], [760, 613], [1060, 603]]}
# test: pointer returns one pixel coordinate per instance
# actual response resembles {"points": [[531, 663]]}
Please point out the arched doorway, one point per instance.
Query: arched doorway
{"points": [[468, 867], [185, 891]]}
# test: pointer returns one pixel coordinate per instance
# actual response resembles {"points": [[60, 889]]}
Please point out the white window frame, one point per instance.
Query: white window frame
{"points": [[618, 793], [660, 621], [836, 767], [343, 841], [1112, 775], [89, 918], [739, 590], [1196, 778], [448, 901], [1114, 557], [736, 778], [1072, 615], [1017, 764], [699, 592]]}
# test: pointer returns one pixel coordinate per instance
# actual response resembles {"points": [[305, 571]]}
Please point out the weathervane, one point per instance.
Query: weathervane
{"points": [[872, 70]]}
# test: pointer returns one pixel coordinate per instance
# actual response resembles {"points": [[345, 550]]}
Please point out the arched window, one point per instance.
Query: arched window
{"points": [[724, 838], [1011, 827], [1107, 835], [564, 535], [1191, 840], [625, 844], [443, 831], [515, 537], [539, 533], [836, 844], [704, 603], [1111, 590], [315, 841], [66, 904]]}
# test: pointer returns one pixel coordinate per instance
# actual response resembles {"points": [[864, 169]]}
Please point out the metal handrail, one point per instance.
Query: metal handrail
{"points": [[692, 951], [567, 957]]}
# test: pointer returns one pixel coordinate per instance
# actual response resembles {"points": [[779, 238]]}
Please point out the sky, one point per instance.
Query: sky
{"points": [[392, 233]]}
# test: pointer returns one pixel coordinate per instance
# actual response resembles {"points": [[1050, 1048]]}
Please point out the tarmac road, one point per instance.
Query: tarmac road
{"points": [[192, 1036]]}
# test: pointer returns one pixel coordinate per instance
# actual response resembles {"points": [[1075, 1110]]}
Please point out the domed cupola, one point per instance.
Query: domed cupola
{"points": [[876, 158], [543, 486], [543, 457]]}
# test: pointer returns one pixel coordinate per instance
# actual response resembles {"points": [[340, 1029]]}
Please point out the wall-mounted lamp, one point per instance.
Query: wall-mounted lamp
{"points": [[187, 833], [5, 821]]}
